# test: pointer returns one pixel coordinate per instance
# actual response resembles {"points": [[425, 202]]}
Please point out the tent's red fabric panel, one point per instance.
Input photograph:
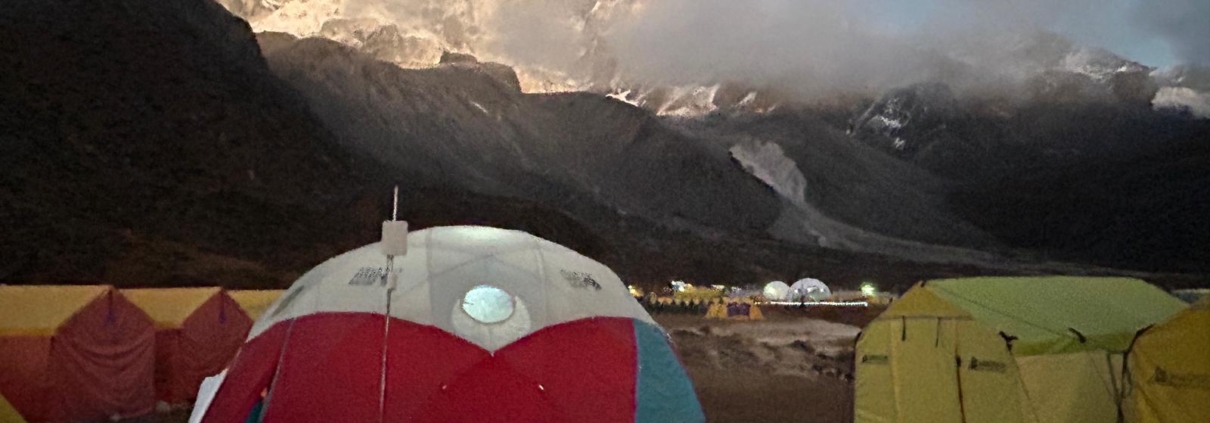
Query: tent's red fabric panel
{"points": [[167, 347], [25, 378], [249, 376], [490, 392], [103, 361], [331, 369], [586, 368], [422, 363], [573, 372], [203, 346]]}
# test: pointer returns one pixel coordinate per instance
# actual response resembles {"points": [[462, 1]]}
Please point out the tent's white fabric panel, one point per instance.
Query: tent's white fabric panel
{"points": [[776, 291], [205, 394], [809, 289], [550, 284]]}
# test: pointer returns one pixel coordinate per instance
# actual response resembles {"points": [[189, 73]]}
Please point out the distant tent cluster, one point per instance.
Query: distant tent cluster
{"points": [[711, 308], [743, 310], [809, 290], [804, 290], [1037, 350], [674, 305], [87, 353]]}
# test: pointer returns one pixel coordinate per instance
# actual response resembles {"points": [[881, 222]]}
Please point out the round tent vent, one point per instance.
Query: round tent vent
{"points": [[488, 304]]}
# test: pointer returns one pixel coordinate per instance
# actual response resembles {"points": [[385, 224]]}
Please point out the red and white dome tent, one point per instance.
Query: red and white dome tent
{"points": [[456, 324]]}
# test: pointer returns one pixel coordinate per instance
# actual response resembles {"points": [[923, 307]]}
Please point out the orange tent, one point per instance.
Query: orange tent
{"points": [[75, 353], [198, 331]]}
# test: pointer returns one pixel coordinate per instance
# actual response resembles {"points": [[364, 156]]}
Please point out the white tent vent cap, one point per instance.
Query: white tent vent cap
{"points": [[394, 238]]}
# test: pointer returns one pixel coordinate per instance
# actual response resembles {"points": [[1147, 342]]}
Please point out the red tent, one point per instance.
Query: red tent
{"points": [[75, 353], [472, 324], [198, 331]]}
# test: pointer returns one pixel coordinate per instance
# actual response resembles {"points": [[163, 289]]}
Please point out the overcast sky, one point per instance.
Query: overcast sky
{"points": [[1157, 33]]}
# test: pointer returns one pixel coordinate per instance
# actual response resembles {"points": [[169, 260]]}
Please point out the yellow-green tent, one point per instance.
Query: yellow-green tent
{"points": [[1038, 350], [7, 413], [255, 302], [1168, 370]]}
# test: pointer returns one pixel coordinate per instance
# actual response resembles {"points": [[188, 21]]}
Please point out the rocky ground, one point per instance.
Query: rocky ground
{"points": [[796, 365]]}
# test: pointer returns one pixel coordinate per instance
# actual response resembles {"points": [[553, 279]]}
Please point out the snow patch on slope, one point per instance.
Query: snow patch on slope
{"points": [[767, 162], [690, 101], [1100, 65], [804, 223], [625, 97]]}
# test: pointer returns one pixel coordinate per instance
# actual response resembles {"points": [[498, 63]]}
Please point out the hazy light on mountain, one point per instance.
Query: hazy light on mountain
{"points": [[803, 47], [820, 45]]}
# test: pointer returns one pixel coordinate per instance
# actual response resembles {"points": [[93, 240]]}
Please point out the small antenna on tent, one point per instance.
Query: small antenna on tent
{"points": [[394, 244], [394, 233]]}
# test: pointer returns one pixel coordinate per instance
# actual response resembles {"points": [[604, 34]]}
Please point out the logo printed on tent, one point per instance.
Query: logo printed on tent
{"points": [[988, 365], [873, 359], [580, 280], [369, 276], [1186, 380]]}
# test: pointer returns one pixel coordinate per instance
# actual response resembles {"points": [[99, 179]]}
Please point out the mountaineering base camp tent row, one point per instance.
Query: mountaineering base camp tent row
{"points": [[470, 324], [75, 353], [198, 331], [1038, 350]]}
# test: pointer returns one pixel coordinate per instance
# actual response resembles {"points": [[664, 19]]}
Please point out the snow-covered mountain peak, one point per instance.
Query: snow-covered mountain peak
{"points": [[414, 33], [1098, 64], [572, 45]]}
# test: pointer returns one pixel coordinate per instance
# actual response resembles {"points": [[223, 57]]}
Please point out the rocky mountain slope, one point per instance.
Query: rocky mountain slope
{"points": [[466, 124], [918, 173], [149, 143], [166, 144]]}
